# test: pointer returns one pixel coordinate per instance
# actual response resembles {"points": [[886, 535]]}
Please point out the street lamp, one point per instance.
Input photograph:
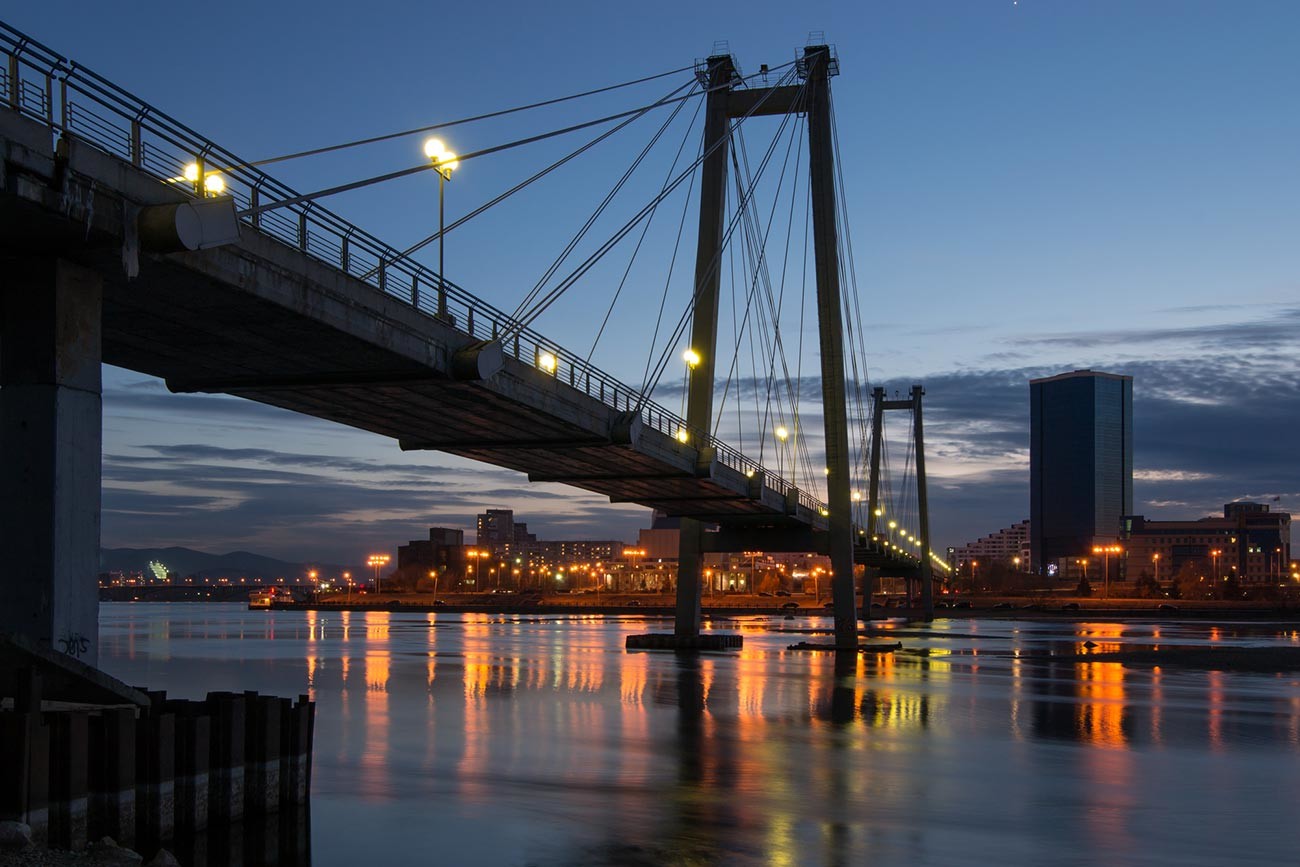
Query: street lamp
{"points": [[1155, 558], [444, 163], [782, 434], [1214, 555], [471, 566], [1106, 551], [378, 561]]}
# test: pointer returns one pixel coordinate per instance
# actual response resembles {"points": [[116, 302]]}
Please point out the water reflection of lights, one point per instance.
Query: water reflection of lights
{"points": [[1105, 638], [1101, 707]]}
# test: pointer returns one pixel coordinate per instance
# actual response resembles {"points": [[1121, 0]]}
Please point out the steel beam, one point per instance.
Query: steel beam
{"points": [[761, 101], [504, 445], [570, 478], [295, 382]]}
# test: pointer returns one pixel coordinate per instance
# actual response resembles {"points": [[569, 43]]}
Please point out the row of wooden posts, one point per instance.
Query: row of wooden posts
{"points": [[146, 776]]}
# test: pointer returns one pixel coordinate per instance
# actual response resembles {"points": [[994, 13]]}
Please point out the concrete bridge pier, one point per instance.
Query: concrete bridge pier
{"points": [[50, 438]]}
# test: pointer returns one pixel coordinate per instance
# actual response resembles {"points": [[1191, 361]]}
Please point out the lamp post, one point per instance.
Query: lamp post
{"points": [[1106, 551], [471, 565], [444, 163], [378, 561], [1155, 558], [782, 434], [1214, 557]]}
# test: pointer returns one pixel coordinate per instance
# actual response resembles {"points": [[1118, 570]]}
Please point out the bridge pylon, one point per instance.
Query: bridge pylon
{"points": [[812, 97], [924, 569], [720, 72]]}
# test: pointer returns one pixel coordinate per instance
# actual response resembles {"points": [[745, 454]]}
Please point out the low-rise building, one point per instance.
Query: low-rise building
{"points": [[1250, 542]]}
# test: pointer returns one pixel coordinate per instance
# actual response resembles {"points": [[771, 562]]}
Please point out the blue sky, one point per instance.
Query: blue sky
{"points": [[1032, 187]]}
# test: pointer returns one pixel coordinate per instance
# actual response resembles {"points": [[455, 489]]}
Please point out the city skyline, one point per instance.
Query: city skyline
{"points": [[1000, 237]]}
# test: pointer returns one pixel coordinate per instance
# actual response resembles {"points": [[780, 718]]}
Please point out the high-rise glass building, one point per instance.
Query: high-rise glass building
{"points": [[1080, 463]]}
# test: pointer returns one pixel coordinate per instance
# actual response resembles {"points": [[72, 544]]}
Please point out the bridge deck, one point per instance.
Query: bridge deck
{"points": [[264, 320]]}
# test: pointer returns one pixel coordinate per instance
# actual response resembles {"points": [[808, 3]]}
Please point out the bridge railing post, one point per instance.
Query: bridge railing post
{"points": [[15, 102]]}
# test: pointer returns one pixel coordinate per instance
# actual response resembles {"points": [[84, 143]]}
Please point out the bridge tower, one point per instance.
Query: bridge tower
{"points": [[817, 66], [924, 570], [719, 75]]}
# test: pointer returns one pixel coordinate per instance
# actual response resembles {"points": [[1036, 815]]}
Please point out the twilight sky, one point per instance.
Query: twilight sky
{"points": [[1032, 187]]}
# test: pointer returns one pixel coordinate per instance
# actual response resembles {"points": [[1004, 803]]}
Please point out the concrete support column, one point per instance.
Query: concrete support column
{"points": [[50, 437]]}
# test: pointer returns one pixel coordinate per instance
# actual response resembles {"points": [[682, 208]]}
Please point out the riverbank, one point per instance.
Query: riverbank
{"points": [[740, 605]]}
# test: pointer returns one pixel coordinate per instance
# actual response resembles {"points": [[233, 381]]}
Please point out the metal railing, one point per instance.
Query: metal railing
{"points": [[71, 99]]}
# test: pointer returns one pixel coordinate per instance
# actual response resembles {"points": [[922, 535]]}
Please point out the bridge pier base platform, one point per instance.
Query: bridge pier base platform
{"points": [[670, 641]]}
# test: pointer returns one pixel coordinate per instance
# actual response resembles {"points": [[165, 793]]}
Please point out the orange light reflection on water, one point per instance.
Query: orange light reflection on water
{"points": [[1100, 712]]}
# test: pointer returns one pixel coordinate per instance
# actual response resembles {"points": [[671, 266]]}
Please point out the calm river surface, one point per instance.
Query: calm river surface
{"points": [[466, 739]]}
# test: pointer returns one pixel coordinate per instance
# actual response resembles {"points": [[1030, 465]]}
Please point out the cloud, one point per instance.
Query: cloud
{"points": [[1170, 476], [1275, 332]]}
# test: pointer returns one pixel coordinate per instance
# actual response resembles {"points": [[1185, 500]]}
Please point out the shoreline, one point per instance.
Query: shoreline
{"points": [[714, 608]]}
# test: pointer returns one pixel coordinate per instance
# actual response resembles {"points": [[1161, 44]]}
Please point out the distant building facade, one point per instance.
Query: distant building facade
{"points": [[443, 551], [1080, 463], [1003, 545], [1250, 542], [497, 529]]}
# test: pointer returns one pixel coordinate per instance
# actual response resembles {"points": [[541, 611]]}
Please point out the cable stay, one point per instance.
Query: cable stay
{"points": [[653, 382], [447, 124], [429, 166], [524, 319], [595, 215], [644, 231]]}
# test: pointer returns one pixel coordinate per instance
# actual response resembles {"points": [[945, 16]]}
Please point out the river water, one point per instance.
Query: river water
{"points": [[465, 739]]}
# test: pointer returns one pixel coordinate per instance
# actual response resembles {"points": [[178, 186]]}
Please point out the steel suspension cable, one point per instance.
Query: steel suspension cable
{"points": [[553, 294], [759, 270], [429, 166], [600, 209], [464, 120], [644, 231], [682, 322]]}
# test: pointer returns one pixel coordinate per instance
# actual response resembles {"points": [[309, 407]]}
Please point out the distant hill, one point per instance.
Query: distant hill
{"points": [[237, 564]]}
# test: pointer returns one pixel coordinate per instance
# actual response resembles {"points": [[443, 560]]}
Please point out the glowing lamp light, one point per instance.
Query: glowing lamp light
{"points": [[547, 362], [782, 434], [443, 160], [692, 358], [682, 435], [213, 183]]}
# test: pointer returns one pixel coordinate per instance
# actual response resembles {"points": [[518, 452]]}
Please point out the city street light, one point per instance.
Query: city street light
{"points": [[782, 434], [378, 561], [471, 568], [1106, 551], [444, 163], [1155, 558]]}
